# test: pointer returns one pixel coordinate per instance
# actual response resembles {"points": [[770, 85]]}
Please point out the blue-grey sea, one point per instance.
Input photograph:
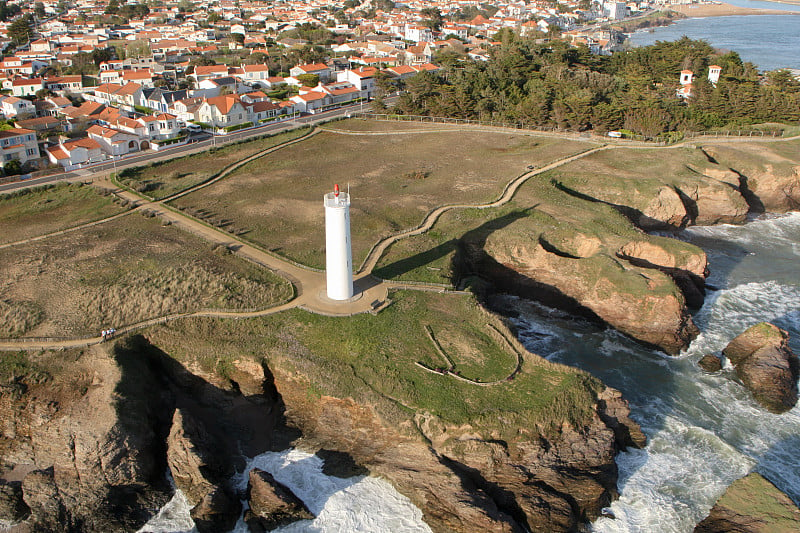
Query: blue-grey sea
{"points": [[769, 41], [704, 430]]}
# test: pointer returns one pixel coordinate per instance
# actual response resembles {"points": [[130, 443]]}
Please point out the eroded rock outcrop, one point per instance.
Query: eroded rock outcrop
{"points": [[89, 439], [768, 173], [766, 366], [475, 480], [272, 504], [200, 465], [751, 505], [86, 453], [641, 302]]}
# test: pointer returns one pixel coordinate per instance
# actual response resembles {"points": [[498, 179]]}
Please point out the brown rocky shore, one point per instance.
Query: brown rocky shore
{"points": [[89, 450], [614, 272]]}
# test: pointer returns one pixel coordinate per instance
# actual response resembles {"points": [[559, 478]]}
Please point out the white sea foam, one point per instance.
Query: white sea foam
{"points": [[172, 518], [359, 504]]}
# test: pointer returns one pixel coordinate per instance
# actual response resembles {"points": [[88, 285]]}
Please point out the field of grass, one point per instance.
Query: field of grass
{"points": [[394, 180], [756, 157], [373, 360], [590, 233], [38, 211], [162, 179], [121, 272]]}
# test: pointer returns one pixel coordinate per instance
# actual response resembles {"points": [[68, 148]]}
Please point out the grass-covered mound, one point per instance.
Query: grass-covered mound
{"points": [[395, 178]]}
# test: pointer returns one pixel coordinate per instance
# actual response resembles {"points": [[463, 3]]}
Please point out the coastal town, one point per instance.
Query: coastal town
{"points": [[94, 81]]}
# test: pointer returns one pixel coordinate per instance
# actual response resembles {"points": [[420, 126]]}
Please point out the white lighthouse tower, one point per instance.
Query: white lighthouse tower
{"points": [[338, 257]]}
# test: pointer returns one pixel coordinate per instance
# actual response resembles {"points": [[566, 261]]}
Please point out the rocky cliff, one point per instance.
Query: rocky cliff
{"points": [[638, 286], [96, 457]]}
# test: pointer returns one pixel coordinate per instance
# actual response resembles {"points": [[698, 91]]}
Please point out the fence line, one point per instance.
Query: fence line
{"points": [[386, 117]]}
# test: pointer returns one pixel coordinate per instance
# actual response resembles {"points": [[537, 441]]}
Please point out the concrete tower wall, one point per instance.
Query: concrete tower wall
{"points": [[338, 255]]}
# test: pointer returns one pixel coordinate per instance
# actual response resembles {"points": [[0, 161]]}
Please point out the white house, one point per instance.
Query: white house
{"points": [[12, 106], [19, 144], [70, 154], [26, 87], [363, 79]]}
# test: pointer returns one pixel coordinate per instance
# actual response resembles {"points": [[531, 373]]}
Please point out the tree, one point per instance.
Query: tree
{"points": [[20, 31], [112, 7], [309, 80], [433, 18], [237, 37], [8, 11], [12, 168], [38, 9]]}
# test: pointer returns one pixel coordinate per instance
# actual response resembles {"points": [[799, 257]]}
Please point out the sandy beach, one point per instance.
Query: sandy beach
{"points": [[722, 10]]}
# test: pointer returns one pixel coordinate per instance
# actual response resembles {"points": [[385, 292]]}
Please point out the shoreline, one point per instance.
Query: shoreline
{"points": [[725, 10]]}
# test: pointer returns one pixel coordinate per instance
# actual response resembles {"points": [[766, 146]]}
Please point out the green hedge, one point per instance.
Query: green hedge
{"points": [[235, 127]]}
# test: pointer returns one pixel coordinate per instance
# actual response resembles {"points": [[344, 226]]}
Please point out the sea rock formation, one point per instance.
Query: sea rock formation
{"points": [[198, 463], [641, 302], [272, 504], [475, 481], [751, 505], [710, 363], [766, 366]]}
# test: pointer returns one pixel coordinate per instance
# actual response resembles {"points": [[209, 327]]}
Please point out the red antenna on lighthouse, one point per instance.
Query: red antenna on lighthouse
{"points": [[336, 189]]}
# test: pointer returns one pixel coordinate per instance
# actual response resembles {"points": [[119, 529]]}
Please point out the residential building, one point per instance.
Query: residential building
{"points": [[19, 144]]}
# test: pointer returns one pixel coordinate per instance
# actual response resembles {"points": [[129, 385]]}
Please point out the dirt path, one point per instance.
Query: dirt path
{"points": [[430, 219]]}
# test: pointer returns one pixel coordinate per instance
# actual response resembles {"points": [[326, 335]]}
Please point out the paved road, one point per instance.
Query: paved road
{"points": [[103, 169]]}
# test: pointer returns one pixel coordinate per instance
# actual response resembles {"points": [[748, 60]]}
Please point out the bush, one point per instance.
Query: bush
{"points": [[235, 127]]}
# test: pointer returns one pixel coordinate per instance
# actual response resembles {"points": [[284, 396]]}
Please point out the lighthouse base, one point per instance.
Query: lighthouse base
{"points": [[323, 296]]}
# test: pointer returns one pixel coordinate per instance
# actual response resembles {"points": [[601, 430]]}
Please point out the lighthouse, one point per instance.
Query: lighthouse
{"points": [[338, 256]]}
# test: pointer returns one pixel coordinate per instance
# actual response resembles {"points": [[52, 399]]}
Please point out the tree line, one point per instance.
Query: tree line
{"points": [[555, 85]]}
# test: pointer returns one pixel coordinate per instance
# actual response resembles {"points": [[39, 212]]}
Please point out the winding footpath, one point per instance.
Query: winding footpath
{"points": [[310, 294]]}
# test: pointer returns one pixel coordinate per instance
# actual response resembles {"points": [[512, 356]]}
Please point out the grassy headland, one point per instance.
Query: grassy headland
{"points": [[372, 359]]}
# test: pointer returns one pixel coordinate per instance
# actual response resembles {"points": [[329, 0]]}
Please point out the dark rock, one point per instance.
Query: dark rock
{"points": [[766, 366], [272, 504], [218, 511], [12, 506], [710, 363], [199, 470], [613, 410], [340, 464]]}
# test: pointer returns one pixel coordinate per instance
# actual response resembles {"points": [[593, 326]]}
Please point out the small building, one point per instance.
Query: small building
{"points": [[19, 144], [713, 74]]}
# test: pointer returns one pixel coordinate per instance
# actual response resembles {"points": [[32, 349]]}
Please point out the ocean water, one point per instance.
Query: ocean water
{"points": [[358, 504], [704, 430], [769, 41]]}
